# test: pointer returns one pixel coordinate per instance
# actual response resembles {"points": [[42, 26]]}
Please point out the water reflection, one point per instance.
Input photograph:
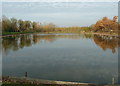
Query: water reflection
{"points": [[106, 42], [15, 43], [67, 57]]}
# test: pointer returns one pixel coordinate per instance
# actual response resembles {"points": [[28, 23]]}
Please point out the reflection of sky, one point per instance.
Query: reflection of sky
{"points": [[61, 14]]}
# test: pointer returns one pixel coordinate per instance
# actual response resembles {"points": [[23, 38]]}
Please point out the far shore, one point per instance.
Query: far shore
{"points": [[93, 33], [102, 34]]}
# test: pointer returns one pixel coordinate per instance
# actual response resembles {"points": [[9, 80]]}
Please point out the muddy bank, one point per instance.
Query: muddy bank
{"points": [[14, 81], [24, 80]]}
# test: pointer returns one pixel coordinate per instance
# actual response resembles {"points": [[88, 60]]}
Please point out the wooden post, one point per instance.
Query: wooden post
{"points": [[25, 74]]}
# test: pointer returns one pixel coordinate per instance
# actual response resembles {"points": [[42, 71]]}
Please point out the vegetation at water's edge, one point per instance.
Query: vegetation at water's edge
{"points": [[14, 26]]}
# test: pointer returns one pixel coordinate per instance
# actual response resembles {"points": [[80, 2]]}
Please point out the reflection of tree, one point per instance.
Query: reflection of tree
{"points": [[16, 42], [106, 42], [7, 43]]}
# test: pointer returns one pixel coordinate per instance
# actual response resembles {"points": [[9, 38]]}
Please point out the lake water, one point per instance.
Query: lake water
{"points": [[64, 57]]}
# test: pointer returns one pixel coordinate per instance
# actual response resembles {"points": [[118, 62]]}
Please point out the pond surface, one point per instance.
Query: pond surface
{"points": [[65, 57]]}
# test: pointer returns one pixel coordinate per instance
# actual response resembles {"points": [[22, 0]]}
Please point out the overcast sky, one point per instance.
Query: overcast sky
{"points": [[61, 13]]}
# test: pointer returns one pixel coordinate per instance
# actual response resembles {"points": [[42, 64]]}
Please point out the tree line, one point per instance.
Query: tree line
{"points": [[14, 25]]}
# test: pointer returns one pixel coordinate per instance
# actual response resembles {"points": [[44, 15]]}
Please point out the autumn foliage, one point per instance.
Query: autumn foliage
{"points": [[106, 25], [14, 25]]}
